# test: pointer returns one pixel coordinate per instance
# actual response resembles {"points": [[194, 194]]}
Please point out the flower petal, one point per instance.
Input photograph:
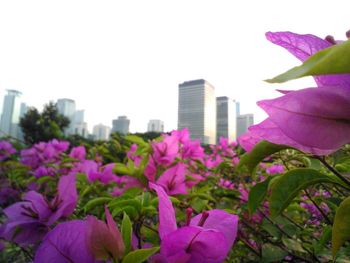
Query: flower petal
{"points": [[317, 118], [66, 243], [221, 221], [167, 219], [302, 47]]}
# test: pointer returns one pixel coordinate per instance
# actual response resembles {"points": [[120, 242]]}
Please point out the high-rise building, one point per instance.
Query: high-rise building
{"points": [[197, 110], [121, 125], [101, 132], [226, 109], [11, 111], [79, 126], [155, 126], [66, 107], [243, 123]]}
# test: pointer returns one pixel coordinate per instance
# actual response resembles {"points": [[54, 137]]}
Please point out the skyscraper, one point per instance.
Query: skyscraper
{"points": [[66, 107], [121, 125], [11, 114], [243, 123], [226, 109], [101, 132], [197, 110], [155, 126]]}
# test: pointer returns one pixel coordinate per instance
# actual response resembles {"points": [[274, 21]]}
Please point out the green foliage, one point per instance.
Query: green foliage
{"points": [[257, 194], [290, 184], [332, 60], [262, 150], [140, 255], [43, 126], [126, 230], [341, 226]]}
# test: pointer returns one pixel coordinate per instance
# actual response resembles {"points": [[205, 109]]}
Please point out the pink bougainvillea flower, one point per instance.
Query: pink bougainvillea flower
{"points": [[6, 150], [313, 120], [35, 213], [104, 240], [316, 119], [173, 179], [165, 152], [207, 237], [302, 47], [66, 243]]}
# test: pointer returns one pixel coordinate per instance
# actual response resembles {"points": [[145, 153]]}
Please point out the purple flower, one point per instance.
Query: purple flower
{"points": [[28, 221], [207, 237], [166, 151], [302, 47], [173, 180], [104, 240], [313, 120], [66, 243], [275, 169], [6, 149], [78, 153]]}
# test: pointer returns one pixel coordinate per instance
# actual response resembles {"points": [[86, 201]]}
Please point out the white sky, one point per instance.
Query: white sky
{"points": [[128, 57]]}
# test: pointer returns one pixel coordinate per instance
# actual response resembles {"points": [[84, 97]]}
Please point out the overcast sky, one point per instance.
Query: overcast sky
{"points": [[128, 57]]}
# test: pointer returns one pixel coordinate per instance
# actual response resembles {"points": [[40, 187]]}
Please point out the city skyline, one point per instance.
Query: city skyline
{"points": [[117, 57]]}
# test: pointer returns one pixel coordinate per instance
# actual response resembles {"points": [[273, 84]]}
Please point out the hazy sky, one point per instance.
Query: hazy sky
{"points": [[128, 57]]}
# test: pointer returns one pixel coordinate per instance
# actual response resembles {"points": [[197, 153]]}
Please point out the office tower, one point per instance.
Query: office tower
{"points": [[101, 132], [79, 126], [121, 125], [197, 110], [226, 109], [243, 123], [155, 126], [66, 107], [9, 124], [238, 108]]}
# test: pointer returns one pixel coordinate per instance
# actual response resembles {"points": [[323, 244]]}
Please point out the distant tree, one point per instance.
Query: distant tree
{"points": [[43, 126], [148, 135]]}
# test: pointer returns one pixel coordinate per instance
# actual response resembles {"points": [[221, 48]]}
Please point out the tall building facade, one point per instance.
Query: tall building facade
{"points": [[11, 113], [155, 126], [197, 110], [226, 109], [121, 125], [243, 123], [66, 107], [101, 132]]}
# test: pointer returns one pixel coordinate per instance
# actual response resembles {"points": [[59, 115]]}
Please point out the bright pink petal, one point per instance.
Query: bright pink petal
{"points": [[221, 221], [303, 46], [313, 117], [167, 219]]}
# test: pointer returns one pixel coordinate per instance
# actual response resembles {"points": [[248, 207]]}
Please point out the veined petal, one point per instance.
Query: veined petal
{"points": [[312, 117], [221, 221], [167, 219], [302, 47], [66, 243], [269, 131], [203, 245]]}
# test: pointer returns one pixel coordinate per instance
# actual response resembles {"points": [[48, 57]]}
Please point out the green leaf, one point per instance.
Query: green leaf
{"points": [[262, 150], [343, 165], [140, 255], [95, 202], [126, 229], [272, 253], [290, 184], [120, 168], [45, 179], [332, 60], [257, 195], [341, 226], [135, 139], [326, 236]]}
